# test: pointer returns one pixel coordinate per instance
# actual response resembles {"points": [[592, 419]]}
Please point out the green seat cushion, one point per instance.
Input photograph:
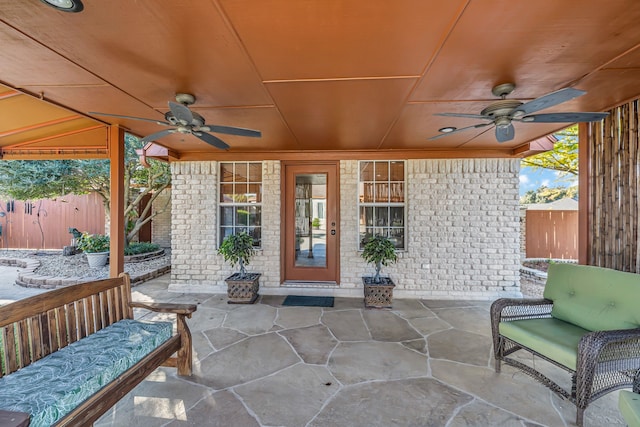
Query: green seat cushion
{"points": [[629, 404], [594, 298], [553, 338], [53, 386]]}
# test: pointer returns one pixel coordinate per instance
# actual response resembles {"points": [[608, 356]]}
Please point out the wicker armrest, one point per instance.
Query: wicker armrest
{"points": [[182, 309], [607, 346], [607, 353], [508, 309]]}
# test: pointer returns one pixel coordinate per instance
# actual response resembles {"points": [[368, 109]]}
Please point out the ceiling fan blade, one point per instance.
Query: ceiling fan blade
{"points": [[459, 130], [505, 133], [549, 100], [212, 140], [157, 135], [159, 122], [181, 112], [565, 117], [468, 116], [230, 130]]}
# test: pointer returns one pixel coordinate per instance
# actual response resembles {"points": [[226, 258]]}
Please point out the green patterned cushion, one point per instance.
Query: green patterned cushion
{"points": [[53, 386]]}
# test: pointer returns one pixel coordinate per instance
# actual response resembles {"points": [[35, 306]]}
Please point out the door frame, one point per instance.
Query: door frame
{"points": [[331, 190]]}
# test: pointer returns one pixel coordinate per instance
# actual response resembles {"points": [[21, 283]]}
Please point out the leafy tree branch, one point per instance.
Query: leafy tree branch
{"points": [[564, 156]]}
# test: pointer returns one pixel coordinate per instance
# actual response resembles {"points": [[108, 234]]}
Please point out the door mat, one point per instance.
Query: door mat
{"points": [[306, 301]]}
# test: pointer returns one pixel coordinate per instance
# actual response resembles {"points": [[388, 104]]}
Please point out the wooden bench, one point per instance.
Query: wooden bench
{"points": [[74, 330], [588, 324]]}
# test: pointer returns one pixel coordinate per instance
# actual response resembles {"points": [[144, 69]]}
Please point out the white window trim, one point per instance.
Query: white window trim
{"points": [[220, 204], [389, 204]]}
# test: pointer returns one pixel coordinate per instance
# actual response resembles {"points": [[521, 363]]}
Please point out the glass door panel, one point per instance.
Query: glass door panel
{"points": [[311, 248]]}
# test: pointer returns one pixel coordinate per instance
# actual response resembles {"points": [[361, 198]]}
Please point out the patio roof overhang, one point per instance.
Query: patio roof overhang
{"points": [[321, 79], [325, 78]]}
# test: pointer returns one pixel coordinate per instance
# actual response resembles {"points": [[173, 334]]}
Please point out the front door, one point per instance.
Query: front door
{"points": [[310, 223]]}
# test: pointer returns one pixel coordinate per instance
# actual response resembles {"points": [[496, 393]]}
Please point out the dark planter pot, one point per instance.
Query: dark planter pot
{"points": [[378, 295], [243, 290]]}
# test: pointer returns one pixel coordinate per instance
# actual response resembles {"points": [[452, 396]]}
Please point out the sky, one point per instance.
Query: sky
{"points": [[531, 179]]}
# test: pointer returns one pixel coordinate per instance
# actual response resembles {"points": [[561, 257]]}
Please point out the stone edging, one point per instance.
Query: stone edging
{"points": [[532, 273], [29, 279], [144, 257], [28, 263]]}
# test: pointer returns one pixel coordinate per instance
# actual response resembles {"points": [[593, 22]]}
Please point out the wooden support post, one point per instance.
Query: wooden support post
{"points": [[117, 206], [584, 233]]}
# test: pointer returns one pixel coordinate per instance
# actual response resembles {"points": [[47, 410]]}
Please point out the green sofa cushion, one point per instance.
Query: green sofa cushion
{"points": [[53, 386], [553, 338], [594, 298], [629, 404]]}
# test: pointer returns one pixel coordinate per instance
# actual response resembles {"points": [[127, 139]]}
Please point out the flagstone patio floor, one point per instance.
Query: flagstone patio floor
{"points": [[422, 363]]}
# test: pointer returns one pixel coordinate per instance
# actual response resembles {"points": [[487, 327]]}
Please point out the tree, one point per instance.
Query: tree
{"points": [[30, 180], [564, 156], [545, 194]]}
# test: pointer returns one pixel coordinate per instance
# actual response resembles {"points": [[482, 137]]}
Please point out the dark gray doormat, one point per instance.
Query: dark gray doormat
{"points": [[305, 301]]}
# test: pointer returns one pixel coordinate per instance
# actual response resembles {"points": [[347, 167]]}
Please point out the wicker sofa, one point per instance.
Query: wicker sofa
{"points": [[588, 323]]}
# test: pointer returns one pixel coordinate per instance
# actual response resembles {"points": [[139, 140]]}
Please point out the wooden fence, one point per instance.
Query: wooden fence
{"points": [[552, 234], [44, 224]]}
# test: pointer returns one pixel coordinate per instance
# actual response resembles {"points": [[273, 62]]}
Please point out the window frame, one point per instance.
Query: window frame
{"points": [[221, 205], [387, 204]]}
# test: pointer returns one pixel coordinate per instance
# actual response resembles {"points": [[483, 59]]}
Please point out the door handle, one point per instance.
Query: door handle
{"points": [[333, 232]]}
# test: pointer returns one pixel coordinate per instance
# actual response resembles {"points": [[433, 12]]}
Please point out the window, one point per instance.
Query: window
{"points": [[382, 201], [241, 200]]}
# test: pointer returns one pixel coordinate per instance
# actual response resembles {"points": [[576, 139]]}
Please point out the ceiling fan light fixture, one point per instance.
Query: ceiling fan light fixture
{"points": [[447, 129], [73, 6], [502, 122]]}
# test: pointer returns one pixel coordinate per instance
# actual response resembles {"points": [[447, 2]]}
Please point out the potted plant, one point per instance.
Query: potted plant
{"points": [[378, 291], [242, 287], [96, 247], [315, 223]]}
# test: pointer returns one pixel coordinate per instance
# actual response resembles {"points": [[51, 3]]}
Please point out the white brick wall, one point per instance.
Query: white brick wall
{"points": [[462, 229], [195, 263]]}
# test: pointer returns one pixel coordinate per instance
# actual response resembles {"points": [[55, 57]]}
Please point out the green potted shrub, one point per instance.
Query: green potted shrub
{"points": [[96, 248], [242, 287], [315, 223], [378, 291]]}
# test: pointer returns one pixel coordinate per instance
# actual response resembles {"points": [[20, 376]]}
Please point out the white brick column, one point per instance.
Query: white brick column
{"points": [[194, 199]]}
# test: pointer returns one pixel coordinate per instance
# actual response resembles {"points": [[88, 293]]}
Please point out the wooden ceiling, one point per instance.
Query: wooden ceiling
{"points": [[323, 78]]}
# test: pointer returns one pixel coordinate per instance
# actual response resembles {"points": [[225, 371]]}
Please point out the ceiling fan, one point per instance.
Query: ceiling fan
{"points": [[183, 120], [502, 113]]}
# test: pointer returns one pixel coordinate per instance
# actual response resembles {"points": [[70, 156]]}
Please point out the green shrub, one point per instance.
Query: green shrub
{"points": [[379, 251], [237, 249], [141, 248], [91, 243]]}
